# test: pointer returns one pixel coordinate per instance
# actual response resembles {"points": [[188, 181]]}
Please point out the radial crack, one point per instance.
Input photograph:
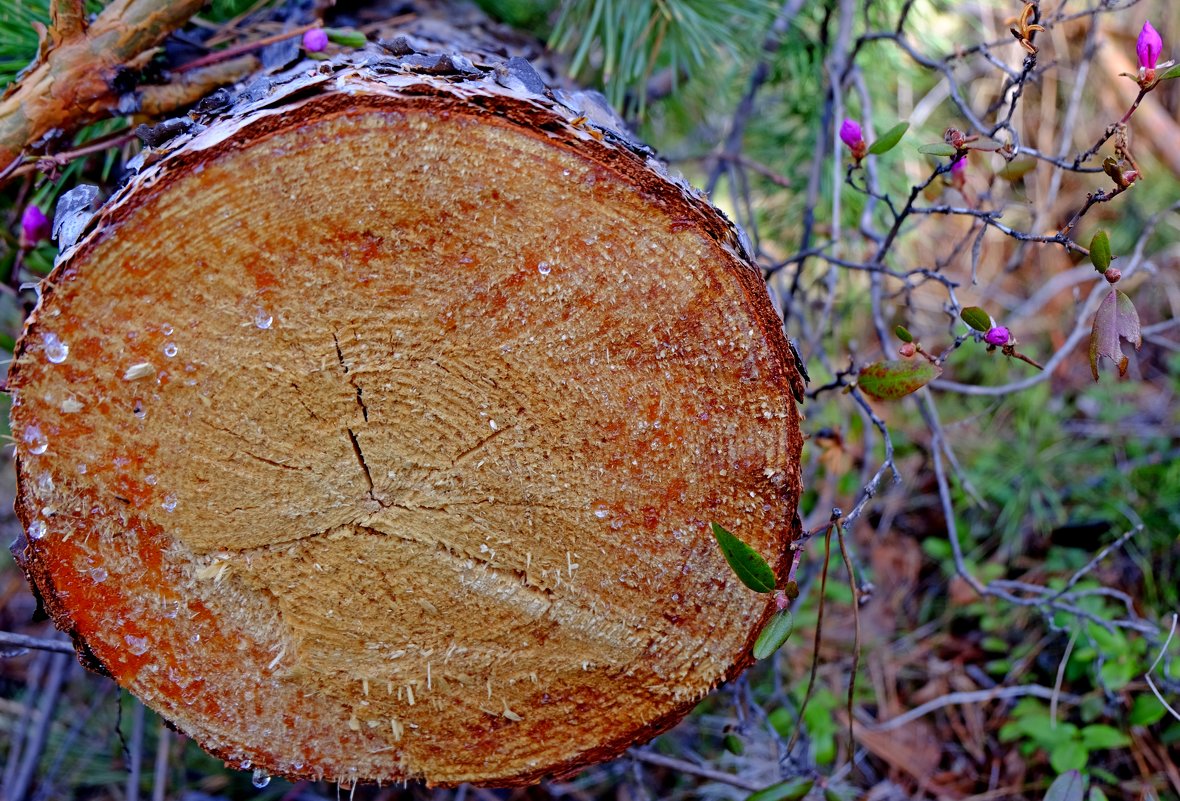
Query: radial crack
{"points": [[360, 457]]}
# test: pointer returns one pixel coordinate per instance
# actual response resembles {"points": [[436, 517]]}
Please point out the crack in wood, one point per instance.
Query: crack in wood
{"points": [[339, 352], [360, 457], [478, 446], [360, 400], [272, 462]]}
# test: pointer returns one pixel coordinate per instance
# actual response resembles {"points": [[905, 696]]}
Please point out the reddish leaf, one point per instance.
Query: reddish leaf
{"points": [[896, 379], [1116, 318]]}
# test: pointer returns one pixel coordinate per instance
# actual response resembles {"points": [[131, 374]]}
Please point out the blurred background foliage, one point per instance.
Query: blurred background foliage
{"points": [[1046, 477]]}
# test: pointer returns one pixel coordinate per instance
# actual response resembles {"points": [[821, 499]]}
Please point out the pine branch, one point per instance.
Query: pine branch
{"points": [[71, 83]]}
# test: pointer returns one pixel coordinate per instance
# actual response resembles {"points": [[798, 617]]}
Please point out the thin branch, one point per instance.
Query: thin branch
{"points": [[692, 769], [1150, 670], [9, 639], [970, 697]]}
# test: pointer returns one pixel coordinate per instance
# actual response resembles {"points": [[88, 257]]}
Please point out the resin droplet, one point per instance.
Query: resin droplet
{"points": [[55, 350], [171, 350], [263, 320], [544, 268], [37, 530], [169, 503], [261, 779], [36, 441]]}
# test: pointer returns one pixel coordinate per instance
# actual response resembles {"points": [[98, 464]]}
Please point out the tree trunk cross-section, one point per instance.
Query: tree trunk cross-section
{"points": [[373, 432]]}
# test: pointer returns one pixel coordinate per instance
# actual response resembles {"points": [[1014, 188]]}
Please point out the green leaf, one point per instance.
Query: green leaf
{"points": [[748, 564], [346, 37], [1069, 786], [824, 749], [790, 790], [1115, 318], [775, 634], [1100, 251], [782, 722], [977, 318], [1146, 711], [903, 334], [1068, 755], [895, 379], [1173, 72], [1111, 643], [734, 745], [1118, 673], [938, 149], [1096, 794], [1099, 736], [1016, 169], [888, 140]]}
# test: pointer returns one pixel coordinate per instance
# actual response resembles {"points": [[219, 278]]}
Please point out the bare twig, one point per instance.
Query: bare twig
{"points": [[692, 769], [969, 697], [1150, 670], [12, 640]]}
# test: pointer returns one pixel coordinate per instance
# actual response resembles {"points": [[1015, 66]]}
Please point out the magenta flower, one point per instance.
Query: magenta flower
{"points": [[959, 168], [1149, 47], [34, 226], [854, 137], [315, 40], [851, 134], [998, 336]]}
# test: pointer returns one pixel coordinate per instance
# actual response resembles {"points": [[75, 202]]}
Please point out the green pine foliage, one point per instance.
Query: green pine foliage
{"points": [[625, 43]]}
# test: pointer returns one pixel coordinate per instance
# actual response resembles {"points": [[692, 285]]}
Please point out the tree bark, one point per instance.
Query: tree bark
{"points": [[373, 430]]}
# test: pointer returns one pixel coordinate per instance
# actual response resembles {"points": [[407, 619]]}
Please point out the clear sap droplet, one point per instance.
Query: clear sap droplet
{"points": [[37, 529], [55, 350], [544, 268], [171, 350], [136, 645], [150, 479], [260, 779], [98, 575], [167, 329], [246, 764], [35, 440], [169, 503], [263, 319]]}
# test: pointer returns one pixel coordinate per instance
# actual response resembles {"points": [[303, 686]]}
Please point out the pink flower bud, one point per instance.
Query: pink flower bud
{"points": [[34, 226], [1149, 47], [998, 336], [908, 349], [1113, 275], [959, 168], [315, 40], [851, 134], [854, 138]]}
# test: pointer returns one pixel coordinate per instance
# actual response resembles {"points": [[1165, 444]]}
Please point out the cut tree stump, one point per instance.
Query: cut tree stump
{"points": [[373, 430]]}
